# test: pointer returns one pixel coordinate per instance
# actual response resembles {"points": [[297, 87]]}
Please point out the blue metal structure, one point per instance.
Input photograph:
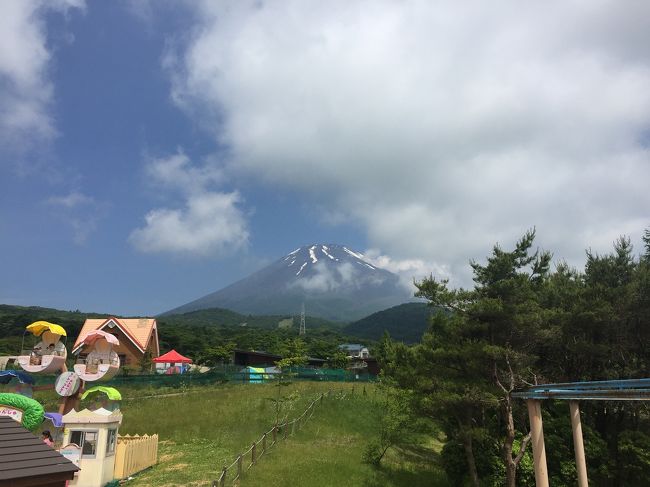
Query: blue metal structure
{"points": [[23, 377], [605, 390]]}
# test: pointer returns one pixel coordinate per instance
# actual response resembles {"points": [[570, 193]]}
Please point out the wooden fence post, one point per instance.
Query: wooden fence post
{"points": [[537, 442], [264, 443], [224, 472], [239, 466], [578, 444], [253, 453]]}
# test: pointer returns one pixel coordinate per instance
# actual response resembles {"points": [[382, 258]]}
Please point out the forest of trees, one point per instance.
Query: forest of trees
{"points": [[209, 337], [527, 321]]}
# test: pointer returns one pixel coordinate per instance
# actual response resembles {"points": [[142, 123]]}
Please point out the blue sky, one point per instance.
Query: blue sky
{"points": [[153, 152]]}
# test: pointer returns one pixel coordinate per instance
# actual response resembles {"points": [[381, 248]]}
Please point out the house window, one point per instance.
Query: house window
{"points": [[110, 441], [87, 440]]}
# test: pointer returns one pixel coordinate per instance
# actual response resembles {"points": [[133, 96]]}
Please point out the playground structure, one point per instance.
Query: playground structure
{"points": [[89, 437], [49, 354], [101, 362], [612, 390]]}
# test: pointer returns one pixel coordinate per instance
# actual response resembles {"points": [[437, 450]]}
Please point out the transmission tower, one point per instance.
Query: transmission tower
{"points": [[302, 331]]}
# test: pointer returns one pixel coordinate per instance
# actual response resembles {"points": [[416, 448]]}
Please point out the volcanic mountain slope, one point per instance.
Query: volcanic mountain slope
{"points": [[333, 281]]}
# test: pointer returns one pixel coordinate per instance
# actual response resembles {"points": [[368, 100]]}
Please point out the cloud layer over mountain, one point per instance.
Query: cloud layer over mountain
{"points": [[441, 127]]}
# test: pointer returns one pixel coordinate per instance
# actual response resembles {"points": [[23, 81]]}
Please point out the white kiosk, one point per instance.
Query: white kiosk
{"points": [[95, 433]]}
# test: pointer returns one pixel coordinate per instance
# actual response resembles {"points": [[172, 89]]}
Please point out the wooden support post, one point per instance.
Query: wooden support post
{"points": [[578, 445], [537, 442], [264, 443], [224, 472], [69, 403], [253, 454], [275, 434], [321, 398], [239, 466]]}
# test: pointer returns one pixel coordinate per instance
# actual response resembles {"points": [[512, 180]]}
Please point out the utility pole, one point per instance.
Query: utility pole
{"points": [[302, 331]]}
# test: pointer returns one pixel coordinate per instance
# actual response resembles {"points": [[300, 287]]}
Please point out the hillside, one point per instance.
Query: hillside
{"points": [[225, 317], [406, 322], [195, 334], [331, 280], [14, 319]]}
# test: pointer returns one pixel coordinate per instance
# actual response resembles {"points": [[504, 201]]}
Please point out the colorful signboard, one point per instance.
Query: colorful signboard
{"points": [[13, 413], [72, 452], [67, 384]]}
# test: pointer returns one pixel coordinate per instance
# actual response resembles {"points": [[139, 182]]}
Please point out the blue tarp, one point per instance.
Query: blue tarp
{"points": [[55, 418], [23, 377]]}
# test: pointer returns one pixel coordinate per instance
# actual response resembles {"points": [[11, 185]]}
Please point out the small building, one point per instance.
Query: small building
{"points": [[26, 461], [138, 337], [264, 359], [254, 359], [94, 435], [355, 350]]}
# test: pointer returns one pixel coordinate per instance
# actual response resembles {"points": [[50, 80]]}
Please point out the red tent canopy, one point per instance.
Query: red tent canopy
{"points": [[173, 357]]}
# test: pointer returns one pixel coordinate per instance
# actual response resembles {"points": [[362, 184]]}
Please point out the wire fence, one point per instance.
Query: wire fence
{"points": [[222, 375], [247, 459]]}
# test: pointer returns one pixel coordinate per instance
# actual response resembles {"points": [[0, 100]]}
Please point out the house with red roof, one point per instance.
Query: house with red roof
{"points": [[138, 337]]}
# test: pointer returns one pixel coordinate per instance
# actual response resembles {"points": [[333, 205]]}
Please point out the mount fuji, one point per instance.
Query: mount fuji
{"points": [[333, 281]]}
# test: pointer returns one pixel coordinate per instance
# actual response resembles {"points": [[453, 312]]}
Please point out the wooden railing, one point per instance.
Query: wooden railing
{"points": [[135, 453], [250, 457]]}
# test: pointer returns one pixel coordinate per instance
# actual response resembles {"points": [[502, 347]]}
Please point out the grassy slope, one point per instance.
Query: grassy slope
{"points": [[204, 429], [328, 450]]}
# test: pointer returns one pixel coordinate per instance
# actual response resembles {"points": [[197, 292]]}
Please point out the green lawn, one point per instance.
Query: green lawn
{"points": [[201, 429], [328, 450], [204, 429]]}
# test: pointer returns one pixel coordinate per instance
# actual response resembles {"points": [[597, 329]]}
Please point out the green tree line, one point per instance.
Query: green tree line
{"points": [[527, 321]]}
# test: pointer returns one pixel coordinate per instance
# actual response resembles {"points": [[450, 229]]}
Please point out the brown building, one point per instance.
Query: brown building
{"points": [[25, 461], [137, 336], [264, 359]]}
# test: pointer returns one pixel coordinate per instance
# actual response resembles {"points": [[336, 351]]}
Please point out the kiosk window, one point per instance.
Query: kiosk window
{"points": [[87, 440], [110, 441]]}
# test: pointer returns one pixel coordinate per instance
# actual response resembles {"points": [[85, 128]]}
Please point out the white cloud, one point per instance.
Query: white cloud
{"points": [[26, 91], [79, 212], [441, 127], [177, 171], [408, 270], [72, 200], [209, 223], [325, 278]]}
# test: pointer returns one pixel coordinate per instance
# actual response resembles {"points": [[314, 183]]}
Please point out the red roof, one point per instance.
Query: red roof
{"points": [[173, 357]]}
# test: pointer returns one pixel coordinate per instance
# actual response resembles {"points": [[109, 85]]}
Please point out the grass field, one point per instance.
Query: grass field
{"points": [[204, 428], [328, 450]]}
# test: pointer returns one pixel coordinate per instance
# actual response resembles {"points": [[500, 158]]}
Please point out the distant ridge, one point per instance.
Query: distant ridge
{"points": [[335, 282], [406, 322]]}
